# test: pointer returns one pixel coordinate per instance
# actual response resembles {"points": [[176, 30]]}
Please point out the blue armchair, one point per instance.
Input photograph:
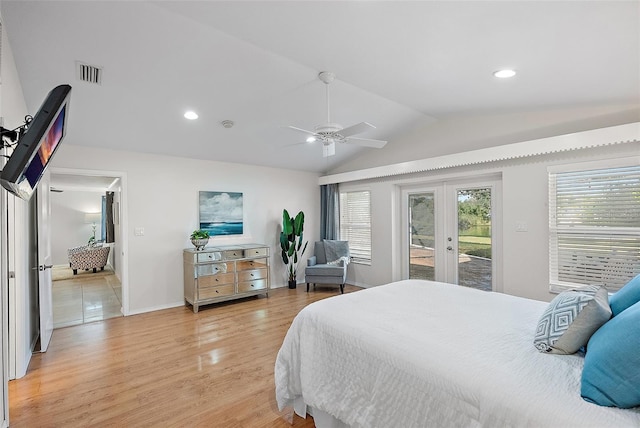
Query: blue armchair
{"points": [[328, 265]]}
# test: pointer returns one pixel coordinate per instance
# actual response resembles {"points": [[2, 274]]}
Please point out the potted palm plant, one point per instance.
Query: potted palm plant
{"points": [[200, 239], [291, 244]]}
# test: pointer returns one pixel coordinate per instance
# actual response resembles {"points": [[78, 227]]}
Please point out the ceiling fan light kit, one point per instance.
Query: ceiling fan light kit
{"points": [[328, 149], [331, 133]]}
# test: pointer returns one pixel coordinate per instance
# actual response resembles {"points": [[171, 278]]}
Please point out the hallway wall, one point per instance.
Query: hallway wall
{"points": [[68, 227]]}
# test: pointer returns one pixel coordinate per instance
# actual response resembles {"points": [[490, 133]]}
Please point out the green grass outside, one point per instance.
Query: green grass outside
{"points": [[474, 249], [475, 240], [479, 246]]}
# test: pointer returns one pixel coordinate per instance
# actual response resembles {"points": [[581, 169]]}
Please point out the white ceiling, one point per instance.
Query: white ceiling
{"points": [[399, 65]]}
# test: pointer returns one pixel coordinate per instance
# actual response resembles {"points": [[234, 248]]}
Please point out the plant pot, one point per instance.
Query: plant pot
{"points": [[200, 243], [292, 284]]}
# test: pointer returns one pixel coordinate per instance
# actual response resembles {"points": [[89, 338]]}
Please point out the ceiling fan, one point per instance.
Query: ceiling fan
{"points": [[331, 133]]}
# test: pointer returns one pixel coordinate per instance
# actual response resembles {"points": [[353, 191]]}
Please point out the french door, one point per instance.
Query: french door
{"points": [[450, 233]]}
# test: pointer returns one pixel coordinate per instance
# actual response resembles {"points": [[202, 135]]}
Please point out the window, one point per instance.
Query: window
{"points": [[594, 225], [355, 224]]}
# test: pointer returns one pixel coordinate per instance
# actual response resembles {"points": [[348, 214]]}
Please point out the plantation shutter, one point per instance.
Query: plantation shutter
{"points": [[594, 224], [355, 224]]}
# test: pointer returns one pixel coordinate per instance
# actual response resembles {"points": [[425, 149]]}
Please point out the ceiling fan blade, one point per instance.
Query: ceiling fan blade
{"points": [[366, 142], [356, 129], [301, 130]]}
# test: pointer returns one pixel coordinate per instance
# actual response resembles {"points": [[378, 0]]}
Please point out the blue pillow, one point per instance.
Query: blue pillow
{"points": [[611, 373], [626, 297]]}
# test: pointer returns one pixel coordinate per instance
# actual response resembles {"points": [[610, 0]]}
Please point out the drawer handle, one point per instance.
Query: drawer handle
{"points": [[217, 280], [251, 274], [217, 291], [252, 285]]}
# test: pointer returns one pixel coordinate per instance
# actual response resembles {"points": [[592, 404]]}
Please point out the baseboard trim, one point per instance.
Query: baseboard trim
{"points": [[155, 308]]}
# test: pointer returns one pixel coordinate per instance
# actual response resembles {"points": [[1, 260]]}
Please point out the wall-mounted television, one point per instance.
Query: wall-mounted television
{"points": [[37, 145]]}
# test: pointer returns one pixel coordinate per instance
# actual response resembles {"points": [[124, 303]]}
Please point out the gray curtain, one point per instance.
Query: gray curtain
{"points": [[329, 211], [109, 217]]}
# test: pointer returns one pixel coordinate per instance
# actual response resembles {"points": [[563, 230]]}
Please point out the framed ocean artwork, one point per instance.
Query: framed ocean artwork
{"points": [[221, 213]]}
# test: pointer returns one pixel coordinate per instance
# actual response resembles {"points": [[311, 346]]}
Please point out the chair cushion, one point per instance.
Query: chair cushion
{"points": [[318, 251], [325, 270], [626, 297], [333, 250], [76, 250]]}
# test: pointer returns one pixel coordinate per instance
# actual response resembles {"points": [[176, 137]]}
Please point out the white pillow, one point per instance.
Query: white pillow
{"points": [[339, 261]]}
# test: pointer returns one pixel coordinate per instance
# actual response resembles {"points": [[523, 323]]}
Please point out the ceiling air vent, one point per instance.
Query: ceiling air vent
{"points": [[89, 73]]}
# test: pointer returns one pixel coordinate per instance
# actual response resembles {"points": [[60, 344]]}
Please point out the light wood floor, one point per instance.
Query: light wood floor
{"points": [[166, 368]]}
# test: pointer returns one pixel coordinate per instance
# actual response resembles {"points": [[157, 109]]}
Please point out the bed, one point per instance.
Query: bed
{"points": [[419, 353]]}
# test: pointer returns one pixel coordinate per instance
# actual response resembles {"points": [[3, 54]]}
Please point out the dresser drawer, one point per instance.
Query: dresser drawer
{"points": [[251, 264], [214, 268], [256, 252], [250, 275], [213, 292], [208, 257], [259, 284], [219, 279], [232, 254]]}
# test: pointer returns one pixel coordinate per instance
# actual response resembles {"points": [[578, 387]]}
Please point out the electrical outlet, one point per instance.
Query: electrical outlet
{"points": [[138, 231], [521, 226]]}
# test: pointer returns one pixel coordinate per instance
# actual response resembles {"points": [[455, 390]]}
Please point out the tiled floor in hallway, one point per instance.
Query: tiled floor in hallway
{"points": [[86, 297]]}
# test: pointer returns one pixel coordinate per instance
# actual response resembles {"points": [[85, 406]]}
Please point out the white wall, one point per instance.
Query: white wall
{"points": [[525, 263], [463, 133], [68, 227], [13, 110], [162, 197]]}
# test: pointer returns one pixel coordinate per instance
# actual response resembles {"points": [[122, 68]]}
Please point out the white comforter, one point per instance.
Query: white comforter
{"points": [[426, 354]]}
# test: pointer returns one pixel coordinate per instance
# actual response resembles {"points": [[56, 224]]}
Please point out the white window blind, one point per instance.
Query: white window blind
{"points": [[594, 224], [355, 224]]}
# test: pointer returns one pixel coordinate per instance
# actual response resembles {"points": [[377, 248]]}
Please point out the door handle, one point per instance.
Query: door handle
{"points": [[44, 267], [450, 248]]}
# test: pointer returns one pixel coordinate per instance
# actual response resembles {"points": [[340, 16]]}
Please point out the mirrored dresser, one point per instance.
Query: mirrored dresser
{"points": [[225, 272]]}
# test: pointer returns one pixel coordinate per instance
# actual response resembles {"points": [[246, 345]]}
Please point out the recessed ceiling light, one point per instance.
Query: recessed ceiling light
{"points": [[504, 74], [191, 115]]}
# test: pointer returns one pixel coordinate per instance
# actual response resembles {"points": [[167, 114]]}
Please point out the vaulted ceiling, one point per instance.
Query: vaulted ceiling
{"points": [[400, 65]]}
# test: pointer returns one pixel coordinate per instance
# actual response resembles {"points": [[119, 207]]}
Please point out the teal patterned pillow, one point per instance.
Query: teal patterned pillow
{"points": [[571, 318]]}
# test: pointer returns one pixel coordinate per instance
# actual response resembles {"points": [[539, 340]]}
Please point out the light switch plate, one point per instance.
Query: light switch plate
{"points": [[521, 226], [138, 231]]}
